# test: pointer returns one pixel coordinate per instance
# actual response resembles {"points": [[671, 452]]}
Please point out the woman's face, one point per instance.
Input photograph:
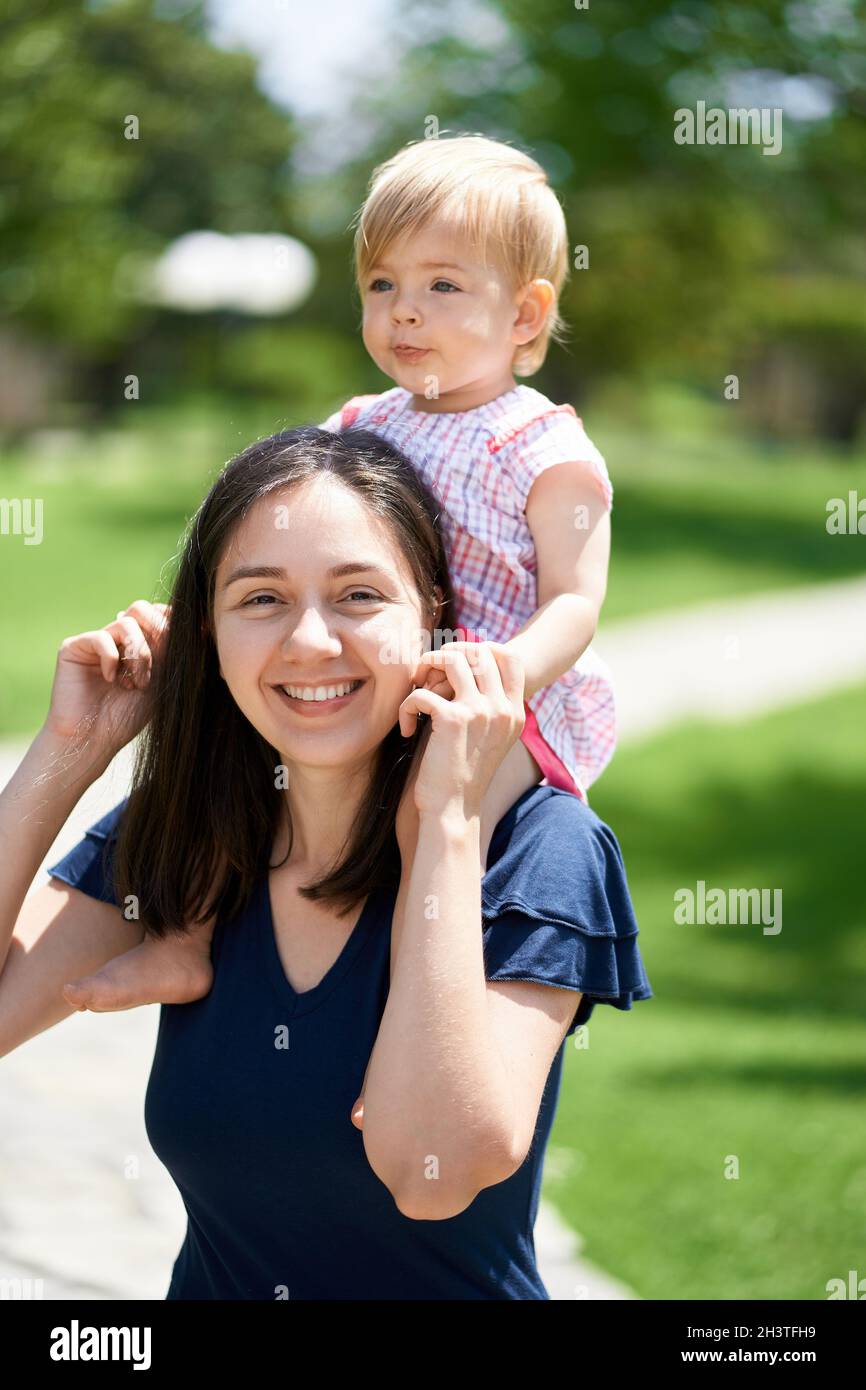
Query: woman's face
{"points": [[318, 624]]}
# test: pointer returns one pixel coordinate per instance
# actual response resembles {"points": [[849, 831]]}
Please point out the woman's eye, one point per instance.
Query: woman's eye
{"points": [[364, 595], [254, 601]]}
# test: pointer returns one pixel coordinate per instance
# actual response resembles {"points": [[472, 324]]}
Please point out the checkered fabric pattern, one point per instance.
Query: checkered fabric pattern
{"points": [[480, 465]]}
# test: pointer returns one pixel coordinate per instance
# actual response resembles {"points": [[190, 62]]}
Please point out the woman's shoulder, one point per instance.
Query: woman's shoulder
{"points": [[552, 855], [106, 828]]}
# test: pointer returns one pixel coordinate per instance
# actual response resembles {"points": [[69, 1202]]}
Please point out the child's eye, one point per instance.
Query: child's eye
{"points": [[380, 281], [447, 285]]}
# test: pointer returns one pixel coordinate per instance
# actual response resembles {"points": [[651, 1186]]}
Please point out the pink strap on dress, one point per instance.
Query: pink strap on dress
{"points": [[352, 409]]}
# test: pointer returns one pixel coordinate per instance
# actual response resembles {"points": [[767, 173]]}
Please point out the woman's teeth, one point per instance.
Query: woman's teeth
{"points": [[320, 692]]}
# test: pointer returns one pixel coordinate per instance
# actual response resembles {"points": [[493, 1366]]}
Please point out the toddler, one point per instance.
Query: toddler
{"points": [[461, 253]]}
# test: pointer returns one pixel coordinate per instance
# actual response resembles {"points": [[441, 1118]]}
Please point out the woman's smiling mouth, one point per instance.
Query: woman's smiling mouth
{"points": [[319, 699]]}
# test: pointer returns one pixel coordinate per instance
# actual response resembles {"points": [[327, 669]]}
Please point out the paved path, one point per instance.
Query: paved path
{"points": [[86, 1207], [736, 659]]}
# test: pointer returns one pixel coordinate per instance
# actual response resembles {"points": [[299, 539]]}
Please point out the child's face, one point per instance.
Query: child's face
{"points": [[431, 292]]}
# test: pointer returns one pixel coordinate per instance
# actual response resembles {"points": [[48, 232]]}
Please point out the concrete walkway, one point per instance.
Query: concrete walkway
{"points": [[85, 1206], [737, 659]]}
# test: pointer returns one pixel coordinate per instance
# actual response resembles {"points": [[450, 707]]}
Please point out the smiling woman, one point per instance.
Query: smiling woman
{"points": [[355, 1100]]}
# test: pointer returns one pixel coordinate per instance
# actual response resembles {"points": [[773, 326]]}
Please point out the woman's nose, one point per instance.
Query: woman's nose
{"points": [[311, 633]]}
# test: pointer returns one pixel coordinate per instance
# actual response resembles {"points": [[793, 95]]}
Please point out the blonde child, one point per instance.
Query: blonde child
{"points": [[461, 253]]}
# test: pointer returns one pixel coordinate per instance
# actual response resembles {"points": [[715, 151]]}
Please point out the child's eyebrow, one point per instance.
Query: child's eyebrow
{"points": [[428, 265]]}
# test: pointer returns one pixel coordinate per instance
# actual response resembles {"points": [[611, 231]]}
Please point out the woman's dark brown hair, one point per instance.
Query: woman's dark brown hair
{"points": [[204, 806]]}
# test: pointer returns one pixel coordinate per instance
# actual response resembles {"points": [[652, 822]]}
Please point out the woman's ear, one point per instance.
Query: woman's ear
{"points": [[439, 599]]}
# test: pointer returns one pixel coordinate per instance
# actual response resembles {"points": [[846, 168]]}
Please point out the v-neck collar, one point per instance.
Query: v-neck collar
{"points": [[308, 999]]}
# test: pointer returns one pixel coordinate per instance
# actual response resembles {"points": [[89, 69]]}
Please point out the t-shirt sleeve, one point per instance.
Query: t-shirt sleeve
{"points": [[88, 865], [556, 907], [556, 436]]}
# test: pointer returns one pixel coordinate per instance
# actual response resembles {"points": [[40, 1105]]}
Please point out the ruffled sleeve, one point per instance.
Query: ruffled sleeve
{"points": [[348, 414], [556, 907], [88, 865], [334, 423], [553, 436]]}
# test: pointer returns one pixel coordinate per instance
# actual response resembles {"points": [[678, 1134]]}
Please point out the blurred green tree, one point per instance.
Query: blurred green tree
{"points": [[704, 260], [121, 128]]}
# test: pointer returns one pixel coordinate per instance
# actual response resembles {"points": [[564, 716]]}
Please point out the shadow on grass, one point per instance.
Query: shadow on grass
{"points": [[651, 527], [799, 832], [821, 1079]]}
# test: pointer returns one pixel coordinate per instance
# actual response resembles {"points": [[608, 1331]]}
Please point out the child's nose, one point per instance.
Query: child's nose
{"points": [[404, 311]]}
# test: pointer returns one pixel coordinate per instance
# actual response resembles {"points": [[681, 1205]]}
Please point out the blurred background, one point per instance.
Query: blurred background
{"points": [[175, 280]]}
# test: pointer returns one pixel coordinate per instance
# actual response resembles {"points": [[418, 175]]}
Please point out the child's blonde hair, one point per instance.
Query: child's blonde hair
{"points": [[490, 193]]}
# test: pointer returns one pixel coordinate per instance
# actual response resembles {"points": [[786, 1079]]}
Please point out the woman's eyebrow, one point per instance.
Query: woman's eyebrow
{"points": [[276, 572]]}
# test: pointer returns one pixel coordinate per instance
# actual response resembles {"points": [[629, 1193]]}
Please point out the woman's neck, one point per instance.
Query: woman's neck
{"points": [[322, 806]]}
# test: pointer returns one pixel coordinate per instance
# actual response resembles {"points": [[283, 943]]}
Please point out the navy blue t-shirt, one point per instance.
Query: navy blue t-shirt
{"points": [[250, 1092]]}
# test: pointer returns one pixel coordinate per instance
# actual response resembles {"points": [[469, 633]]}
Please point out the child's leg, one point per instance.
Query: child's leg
{"points": [[517, 772], [174, 970]]}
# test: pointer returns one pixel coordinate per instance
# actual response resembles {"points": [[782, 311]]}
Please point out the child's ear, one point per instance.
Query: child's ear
{"points": [[532, 310]]}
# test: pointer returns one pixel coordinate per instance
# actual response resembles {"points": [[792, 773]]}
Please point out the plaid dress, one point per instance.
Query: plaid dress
{"points": [[480, 465]]}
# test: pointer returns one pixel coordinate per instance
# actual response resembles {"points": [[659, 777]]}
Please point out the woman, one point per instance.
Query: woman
{"points": [[357, 1107]]}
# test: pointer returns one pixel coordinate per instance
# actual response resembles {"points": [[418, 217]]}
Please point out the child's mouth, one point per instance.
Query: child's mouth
{"points": [[411, 354]]}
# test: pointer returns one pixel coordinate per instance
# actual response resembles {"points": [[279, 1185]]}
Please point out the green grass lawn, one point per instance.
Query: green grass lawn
{"points": [[704, 511], [753, 1045], [698, 514]]}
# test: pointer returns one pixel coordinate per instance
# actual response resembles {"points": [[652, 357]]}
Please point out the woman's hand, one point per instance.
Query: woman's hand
{"points": [[101, 682], [470, 734]]}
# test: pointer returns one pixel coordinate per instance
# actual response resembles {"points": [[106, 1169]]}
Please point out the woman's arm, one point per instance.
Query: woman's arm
{"points": [[570, 527], [456, 1076], [34, 807], [99, 701], [438, 1121], [56, 934]]}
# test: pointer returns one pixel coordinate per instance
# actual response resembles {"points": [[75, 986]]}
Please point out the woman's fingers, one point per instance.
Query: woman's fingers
{"points": [[485, 675], [456, 666], [420, 701], [99, 643], [427, 662], [139, 630], [152, 618], [134, 653], [149, 615]]}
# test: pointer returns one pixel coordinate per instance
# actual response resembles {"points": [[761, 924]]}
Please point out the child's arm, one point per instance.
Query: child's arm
{"points": [[570, 527]]}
